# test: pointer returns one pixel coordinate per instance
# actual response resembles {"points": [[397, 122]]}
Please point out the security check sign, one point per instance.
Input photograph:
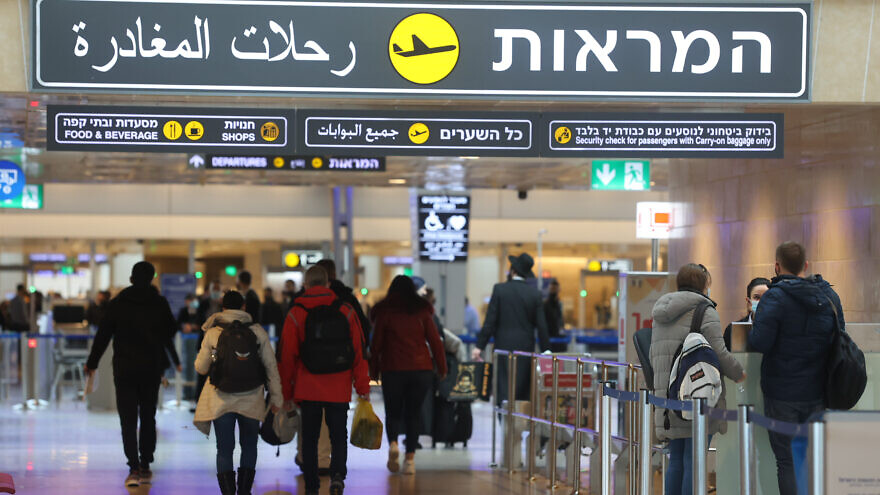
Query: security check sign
{"points": [[490, 50]]}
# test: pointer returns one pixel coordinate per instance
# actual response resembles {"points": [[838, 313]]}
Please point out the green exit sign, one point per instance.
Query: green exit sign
{"points": [[621, 175], [31, 199]]}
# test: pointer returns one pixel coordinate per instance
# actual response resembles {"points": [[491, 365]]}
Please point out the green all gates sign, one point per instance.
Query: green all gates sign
{"points": [[621, 175]]}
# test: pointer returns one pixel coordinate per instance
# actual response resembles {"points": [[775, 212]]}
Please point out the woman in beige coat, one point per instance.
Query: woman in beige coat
{"points": [[672, 322], [247, 409]]}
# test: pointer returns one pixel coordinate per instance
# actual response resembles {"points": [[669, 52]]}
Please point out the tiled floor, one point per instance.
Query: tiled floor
{"points": [[68, 450]]}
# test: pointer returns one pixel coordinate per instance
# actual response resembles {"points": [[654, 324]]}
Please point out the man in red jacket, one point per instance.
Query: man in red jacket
{"points": [[321, 395]]}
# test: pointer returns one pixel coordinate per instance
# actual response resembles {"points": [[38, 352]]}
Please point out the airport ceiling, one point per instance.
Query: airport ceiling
{"points": [[25, 114]]}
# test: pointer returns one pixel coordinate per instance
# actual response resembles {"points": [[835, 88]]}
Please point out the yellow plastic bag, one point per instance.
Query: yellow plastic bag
{"points": [[366, 429]]}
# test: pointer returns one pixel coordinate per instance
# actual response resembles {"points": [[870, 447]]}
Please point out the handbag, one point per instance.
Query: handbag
{"points": [[847, 375]]}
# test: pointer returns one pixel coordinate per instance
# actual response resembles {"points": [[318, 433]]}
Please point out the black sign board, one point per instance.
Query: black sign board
{"points": [[168, 130], [444, 227], [276, 162], [656, 135], [489, 50], [419, 133]]}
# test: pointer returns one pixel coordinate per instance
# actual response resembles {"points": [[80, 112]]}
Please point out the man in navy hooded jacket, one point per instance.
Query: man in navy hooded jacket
{"points": [[793, 328]]}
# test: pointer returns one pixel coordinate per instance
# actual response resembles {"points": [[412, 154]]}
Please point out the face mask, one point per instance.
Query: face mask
{"points": [[708, 292], [755, 306], [216, 295], [194, 305]]}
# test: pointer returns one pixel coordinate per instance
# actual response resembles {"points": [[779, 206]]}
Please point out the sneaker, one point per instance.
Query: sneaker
{"points": [[409, 466], [394, 458], [145, 476], [337, 486], [133, 479]]}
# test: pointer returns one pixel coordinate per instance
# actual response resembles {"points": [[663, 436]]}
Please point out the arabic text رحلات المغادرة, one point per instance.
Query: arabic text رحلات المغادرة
{"points": [[203, 39]]}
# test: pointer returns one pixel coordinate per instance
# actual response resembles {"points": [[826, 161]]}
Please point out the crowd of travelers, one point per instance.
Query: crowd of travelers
{"points": [[328, 346]]}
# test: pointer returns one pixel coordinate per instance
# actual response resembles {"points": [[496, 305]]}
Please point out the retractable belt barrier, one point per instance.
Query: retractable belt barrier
{"points": [[639, 406]]}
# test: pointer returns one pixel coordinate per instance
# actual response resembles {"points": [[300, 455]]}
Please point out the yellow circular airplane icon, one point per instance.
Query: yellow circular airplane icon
{"points": [[291, 260], [419, 133], [278, 162], [194, 130], [423, 48], [562, 135], [172, 130], [317, 162]]}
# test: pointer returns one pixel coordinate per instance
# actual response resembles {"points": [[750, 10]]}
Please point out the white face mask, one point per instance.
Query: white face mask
{"points": [[755, 306], [709, 293]]}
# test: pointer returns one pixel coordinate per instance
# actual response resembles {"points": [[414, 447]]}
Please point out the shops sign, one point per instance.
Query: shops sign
{"points": [[489, 50]]}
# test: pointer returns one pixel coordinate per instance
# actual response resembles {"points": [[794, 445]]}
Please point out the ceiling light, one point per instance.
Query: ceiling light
{"points": [[397, 181], [468, 158]]}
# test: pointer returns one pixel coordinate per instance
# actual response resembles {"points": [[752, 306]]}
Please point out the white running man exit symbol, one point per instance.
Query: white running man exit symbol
{"points": [[634, 177]]}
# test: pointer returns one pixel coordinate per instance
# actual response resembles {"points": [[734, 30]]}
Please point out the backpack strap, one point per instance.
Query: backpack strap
{"points": [[697, 320], [337, 304]]}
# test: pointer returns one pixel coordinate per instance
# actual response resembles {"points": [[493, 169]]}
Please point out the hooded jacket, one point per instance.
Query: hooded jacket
{"points": [[297, 383], [141, 325], [672, 314], [793, 328], [252, 404]]}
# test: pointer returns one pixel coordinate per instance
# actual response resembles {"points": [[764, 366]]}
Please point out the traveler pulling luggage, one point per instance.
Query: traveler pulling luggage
{"points": [[453, 421]]}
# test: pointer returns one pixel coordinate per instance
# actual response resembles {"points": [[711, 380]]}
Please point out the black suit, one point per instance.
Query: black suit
{"points": [[515, 312]]}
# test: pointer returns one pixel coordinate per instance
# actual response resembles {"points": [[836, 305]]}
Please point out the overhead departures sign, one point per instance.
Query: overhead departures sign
{"points": [[31, 198], [442, 50], [444, 227], [313, 163], [168, 130]]}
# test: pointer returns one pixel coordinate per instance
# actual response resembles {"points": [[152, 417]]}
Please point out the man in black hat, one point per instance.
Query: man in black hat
{"points": [[515, 312]]}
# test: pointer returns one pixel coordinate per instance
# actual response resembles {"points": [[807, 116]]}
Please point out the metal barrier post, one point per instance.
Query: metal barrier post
{"points": [[533, 398], [494, 463], [817, 458], [178, 376], [746, 452], [605, 433], [26, 370], [699, 432], [633, 430], [551, 455], [578, 414], [645, 467], [511, 400]]}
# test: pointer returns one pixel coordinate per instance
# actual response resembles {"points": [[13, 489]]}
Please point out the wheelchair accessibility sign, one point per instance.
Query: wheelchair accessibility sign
{"points": [[11, 180]]}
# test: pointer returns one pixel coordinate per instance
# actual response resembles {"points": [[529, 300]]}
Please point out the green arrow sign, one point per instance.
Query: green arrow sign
{"points": [[31, 199], [621, 175]]}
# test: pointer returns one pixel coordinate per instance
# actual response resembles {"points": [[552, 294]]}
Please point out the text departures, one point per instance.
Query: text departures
{"points": [[315, 163]]}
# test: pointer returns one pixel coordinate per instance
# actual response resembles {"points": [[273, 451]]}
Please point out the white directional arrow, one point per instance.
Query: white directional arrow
{"points": [[196, 161], [606, 174]]}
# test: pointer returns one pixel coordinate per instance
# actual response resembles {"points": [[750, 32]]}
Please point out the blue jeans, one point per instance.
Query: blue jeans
{"points": [[679, 471], [248, 431], [790, 452]]}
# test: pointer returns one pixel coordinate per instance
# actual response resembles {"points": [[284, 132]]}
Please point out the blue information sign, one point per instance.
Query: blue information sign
{"points": [[11, 180]]}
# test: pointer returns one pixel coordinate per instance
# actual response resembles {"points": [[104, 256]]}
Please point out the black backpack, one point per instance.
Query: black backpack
{"points": [[327, 347], [847, 375], [238, 366]]}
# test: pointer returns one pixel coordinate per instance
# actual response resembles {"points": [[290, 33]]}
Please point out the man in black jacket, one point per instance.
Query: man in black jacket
{"points": [[347, 295], [793, 328], [516, 312], [141, 325], [251, 299]]}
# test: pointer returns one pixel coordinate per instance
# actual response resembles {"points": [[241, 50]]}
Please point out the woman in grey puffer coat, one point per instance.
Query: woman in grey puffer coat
{"points": [[672, 322]]}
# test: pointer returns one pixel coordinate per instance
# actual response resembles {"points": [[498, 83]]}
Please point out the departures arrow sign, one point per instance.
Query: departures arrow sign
{"points": [[197, 161]]}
